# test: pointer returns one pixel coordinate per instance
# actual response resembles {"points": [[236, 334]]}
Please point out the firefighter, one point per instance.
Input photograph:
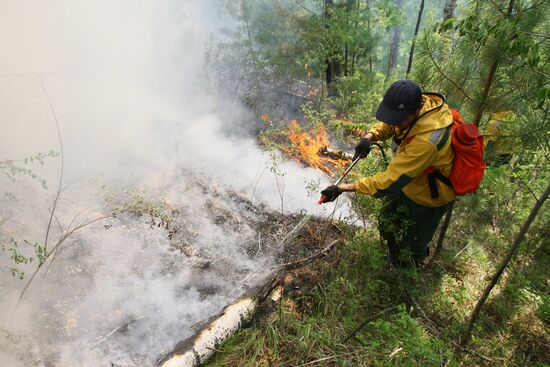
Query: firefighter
{"points": [[498, 144], [414, 202]]}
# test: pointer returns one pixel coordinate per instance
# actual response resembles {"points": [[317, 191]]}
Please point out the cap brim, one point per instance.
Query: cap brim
{"points": [[392, 117]]}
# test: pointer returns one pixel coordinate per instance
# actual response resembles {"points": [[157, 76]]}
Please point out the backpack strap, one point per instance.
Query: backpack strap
{"points": [[432, 177], [439, 138]]}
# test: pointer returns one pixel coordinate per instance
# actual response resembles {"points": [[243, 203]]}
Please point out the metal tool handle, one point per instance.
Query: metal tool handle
{"points": [[323, 198]]}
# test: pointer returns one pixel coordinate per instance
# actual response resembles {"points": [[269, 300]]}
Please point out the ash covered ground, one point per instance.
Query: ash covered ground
{"points": [[126, 290]]}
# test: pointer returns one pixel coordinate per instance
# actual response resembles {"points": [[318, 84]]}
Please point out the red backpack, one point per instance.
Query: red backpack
{"points": [[468, 166]]}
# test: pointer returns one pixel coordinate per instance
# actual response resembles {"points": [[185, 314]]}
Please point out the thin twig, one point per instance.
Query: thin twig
{"points": [[257, 182], [443, 74], [529, 355], [443, 232], [462, 250], [121, 327], [524, 183], [367, 321], [40, 83], [315, 362], [295, 230], [61, 240], [433, 327], [305, 8], [312, 257], [543, 35], [68, 229], [61, 156]]}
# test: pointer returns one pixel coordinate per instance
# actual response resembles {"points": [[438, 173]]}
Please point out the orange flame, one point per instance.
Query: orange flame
{"points": [[265, 118], [305, 148]]}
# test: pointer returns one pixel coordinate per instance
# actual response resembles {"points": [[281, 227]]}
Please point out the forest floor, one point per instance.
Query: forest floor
{"points": [[352, 308]]}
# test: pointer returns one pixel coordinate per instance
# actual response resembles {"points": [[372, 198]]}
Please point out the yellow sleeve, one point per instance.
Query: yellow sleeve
{"points": [[381, 131], [407, 164]]}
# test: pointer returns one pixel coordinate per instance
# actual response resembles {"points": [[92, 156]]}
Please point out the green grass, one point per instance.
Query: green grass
{"points": [[311, 328], [425, 313]]}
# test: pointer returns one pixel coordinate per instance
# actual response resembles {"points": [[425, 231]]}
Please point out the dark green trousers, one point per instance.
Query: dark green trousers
{"points": [[408, 228]]}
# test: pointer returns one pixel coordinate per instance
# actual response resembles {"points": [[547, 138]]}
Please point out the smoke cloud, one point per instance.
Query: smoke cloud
{"points": [[136, 108]]}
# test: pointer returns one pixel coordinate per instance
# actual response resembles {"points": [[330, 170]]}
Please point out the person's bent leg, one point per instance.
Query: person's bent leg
{"points": [[424, 222]]}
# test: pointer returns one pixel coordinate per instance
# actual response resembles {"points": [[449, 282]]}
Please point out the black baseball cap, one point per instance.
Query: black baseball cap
{"points": [[401, 99]]}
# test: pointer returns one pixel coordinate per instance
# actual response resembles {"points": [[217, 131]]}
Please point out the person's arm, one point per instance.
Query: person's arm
{"points": [[347, 187], [380, 132], [403, 169], [408, 164]]}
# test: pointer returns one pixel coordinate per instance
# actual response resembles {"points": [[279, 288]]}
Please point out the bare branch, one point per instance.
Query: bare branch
{"points": [[367, 321], [312, 257], [62, 157], [445, 75], [62, 239], [433, 327], [545, 36], [511, 252]]}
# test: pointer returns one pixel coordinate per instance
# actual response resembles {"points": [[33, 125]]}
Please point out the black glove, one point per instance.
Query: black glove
{"points": [[331, 193], [362, 149]]}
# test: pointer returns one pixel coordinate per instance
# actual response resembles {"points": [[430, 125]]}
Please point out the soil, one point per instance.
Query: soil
{"points": [[295, 243]]}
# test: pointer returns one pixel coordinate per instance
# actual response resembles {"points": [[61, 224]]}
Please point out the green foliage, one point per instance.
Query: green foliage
{"points": [[138, 203], [15, 169], [359, 96], [20, 255], [314, 329], [315, 118], [489, 58], [457, 57], [22, 252], [406, 341]]}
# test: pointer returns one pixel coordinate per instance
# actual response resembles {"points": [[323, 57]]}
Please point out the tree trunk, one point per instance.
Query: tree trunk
{"points": [[447, 221], [204, 345], [368, 26], [449, 9], [411, 54], [490, 77], [486, 90], [355, 26], [334, 69], [394, 48], [511, 252], [348, 47]]}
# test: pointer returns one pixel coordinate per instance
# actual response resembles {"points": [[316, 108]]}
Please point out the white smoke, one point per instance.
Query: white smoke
{"points": [[135, 104]]}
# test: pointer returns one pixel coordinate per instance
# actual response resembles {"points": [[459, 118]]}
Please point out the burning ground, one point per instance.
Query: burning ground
{"points": [[191, 214], [129, 288]]}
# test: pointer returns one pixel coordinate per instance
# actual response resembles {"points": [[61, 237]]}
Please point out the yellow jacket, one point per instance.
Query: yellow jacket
{"points": [[427, 144], [494, 138]]}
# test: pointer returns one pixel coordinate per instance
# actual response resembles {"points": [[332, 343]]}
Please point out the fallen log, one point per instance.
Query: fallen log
{"points": [[216, 330], [206, 343], [335, 153]]}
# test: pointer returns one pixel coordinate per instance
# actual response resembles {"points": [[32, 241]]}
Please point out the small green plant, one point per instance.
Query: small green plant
{"points": [[15, 169], [313, 187], [136, 202], [19, 256], [274, 166]]}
